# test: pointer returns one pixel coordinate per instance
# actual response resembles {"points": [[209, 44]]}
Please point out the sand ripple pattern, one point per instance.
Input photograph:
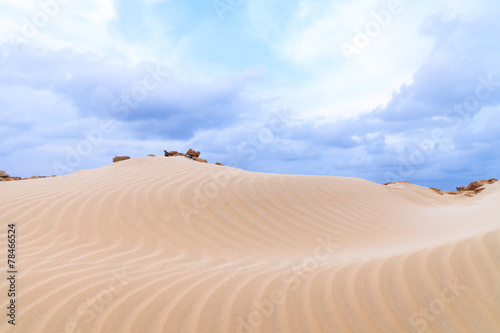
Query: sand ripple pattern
{"points": [[171, 245]]}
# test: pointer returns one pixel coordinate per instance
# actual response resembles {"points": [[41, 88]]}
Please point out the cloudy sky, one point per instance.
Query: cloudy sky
{"points": [[380, 90]]}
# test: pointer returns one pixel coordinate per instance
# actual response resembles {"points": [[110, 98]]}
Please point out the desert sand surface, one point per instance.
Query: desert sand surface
{"points": [[158, 244]]}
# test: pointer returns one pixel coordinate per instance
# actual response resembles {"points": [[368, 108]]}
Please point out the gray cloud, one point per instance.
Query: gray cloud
{"points": [[440, 130]]}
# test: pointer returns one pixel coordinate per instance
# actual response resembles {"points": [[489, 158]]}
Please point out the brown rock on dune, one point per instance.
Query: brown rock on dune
{"points": [[4, 177], [172, 153], [192, 153], [391, 183], [476, 185], [120, 158], [450, 192], [7, 178], [473, 188], [437, 190]]}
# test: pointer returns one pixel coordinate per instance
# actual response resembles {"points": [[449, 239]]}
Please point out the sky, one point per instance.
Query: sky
{"points": [[381, 90]]}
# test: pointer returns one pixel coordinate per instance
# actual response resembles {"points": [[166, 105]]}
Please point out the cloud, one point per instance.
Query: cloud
{"points": [[59, 96], [420, 103], [418, 135]]}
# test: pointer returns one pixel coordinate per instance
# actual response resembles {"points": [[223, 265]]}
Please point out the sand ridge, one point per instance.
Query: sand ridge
{"points": [[159, 244]]}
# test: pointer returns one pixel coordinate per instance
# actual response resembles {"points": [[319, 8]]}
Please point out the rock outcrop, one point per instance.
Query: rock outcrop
{"points": [[4, 177], [173, 153], [390, 183], [473, 188], [192, 153], [120, 158], [437, 190]]}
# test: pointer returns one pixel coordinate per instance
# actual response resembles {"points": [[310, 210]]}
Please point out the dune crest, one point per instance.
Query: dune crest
{"points": [[157, 244]]}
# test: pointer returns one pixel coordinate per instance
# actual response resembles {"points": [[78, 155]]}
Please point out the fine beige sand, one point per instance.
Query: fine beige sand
{"points": [[159, 244]]}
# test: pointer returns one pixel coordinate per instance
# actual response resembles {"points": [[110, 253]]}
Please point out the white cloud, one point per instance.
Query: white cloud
{"points": [[80, 26], [335, 87]]}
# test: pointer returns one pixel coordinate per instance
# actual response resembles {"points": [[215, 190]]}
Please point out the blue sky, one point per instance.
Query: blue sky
{"points": [[380, 90]]}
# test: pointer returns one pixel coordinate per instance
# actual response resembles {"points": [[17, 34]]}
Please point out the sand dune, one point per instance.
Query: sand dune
{"points": [[159, 244]]}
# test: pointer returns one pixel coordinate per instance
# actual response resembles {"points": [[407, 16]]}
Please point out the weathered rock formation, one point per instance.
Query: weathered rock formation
{"points": [[173, 153], [193, 153], [4, 177], [474, 188], [437, 190], [389, 183], [120, 158]]}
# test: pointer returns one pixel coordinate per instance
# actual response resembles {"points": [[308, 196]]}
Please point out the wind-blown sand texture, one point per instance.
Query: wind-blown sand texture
{"points": [[159, 244]]}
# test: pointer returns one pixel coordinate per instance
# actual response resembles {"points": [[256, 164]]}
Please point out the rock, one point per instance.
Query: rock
{"points": [[473, 188], [450, 192], [390, 183], [120, 158], [192, 153], [476, 185], [151, 155], [6, 178], [199, 159], [172, 153], [437, 190], [218, 163]]}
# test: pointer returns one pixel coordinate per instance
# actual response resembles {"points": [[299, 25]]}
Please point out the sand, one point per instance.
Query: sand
{"points": [[159, 244]]}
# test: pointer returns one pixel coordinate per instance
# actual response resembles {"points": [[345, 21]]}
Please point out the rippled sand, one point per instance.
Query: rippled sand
{"points": [[159, 244]]}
